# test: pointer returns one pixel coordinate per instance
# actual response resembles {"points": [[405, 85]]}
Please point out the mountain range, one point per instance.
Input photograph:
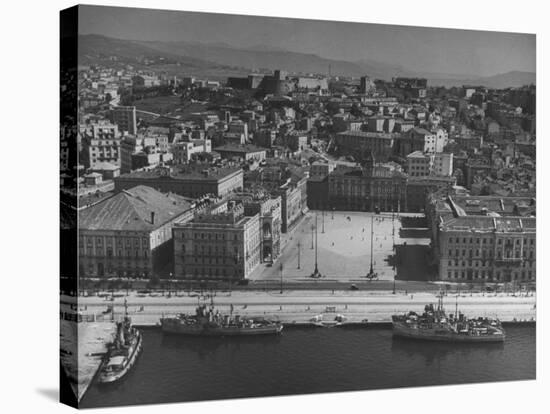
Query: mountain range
{"points": [[196, 57]]}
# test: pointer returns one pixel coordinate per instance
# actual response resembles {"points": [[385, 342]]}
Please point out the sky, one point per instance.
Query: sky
{"points": [[420, 49]]}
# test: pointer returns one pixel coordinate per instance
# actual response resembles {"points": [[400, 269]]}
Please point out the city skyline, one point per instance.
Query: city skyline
{"points": [[420, 49]]}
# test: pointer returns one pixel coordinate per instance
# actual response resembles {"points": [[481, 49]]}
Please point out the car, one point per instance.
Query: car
{"points": [[269, 264], [354, 287]]}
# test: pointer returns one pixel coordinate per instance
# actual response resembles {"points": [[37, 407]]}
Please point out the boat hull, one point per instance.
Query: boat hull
{"points": [[192, 330], [114, 377], [448, 336]]}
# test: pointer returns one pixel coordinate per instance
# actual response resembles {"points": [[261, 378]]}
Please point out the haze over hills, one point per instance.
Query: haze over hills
{"points": [[199, 56]]}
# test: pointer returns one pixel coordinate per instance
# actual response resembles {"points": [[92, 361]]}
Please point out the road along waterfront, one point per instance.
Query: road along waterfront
{"points": [[301, 305]]}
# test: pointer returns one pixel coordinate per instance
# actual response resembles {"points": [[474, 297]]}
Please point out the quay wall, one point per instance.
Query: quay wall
{"points": [[301, 306]]}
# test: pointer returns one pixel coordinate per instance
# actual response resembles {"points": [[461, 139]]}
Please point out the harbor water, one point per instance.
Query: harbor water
{"points": [[314, 360]]}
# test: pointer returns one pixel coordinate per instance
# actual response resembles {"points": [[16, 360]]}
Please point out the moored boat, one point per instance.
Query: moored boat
{"points": [[122, 353], [210, 322], [435, 325]]}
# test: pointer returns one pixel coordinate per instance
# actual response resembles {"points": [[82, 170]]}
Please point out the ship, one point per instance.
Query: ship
{"points": [[210, 322], [435, 325], [122, 353]]}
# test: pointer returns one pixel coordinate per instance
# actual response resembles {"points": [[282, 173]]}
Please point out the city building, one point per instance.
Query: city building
{"points": [[288, 182], [142, 151], [125, 118], [244, 152], [484, 238], [182, 151], [420, 188], [221, 245], [380, 143], [321, 169], [269, 209], [317, 193], [370, 187], [366, 85], [130, 234], [187, 180], [107, 170], [421, 164], [296, 140], [100, 143]]}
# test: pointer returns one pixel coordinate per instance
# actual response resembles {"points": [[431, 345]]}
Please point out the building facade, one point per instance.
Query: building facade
{"points": [[217, 246], [125, 118], [367, 189], [484, 238], [130, 234], [488, 249], [186, 180]]}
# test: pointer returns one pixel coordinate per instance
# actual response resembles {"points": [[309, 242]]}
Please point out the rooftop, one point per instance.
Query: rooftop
{"points": [[363, 134], [105, 166], [243, 148], [131, 210], [488, 223], [182, 172]]}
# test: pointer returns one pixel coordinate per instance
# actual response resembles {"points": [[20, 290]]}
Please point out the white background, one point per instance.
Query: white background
{"points": [[29, 205]]}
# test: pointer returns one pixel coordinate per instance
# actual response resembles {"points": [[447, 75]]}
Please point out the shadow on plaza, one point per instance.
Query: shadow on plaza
{"points": [[413, 262], [416, 233]]}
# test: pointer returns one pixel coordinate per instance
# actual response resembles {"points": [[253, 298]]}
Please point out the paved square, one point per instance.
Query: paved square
{"points": [[343, 247]]}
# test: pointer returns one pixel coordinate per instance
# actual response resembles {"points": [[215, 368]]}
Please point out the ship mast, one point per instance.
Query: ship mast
{"points": [[456, 307]]}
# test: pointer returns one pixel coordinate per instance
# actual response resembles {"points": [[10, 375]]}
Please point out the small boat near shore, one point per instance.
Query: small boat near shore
{"points": [[435, 325], [322, 322], [122, 354]]}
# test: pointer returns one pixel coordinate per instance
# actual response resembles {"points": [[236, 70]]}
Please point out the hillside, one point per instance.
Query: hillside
{"points": [[225, 60]]}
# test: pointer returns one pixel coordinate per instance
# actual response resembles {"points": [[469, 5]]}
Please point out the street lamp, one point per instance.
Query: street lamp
{"points": [[281, 278], [299, 248]]}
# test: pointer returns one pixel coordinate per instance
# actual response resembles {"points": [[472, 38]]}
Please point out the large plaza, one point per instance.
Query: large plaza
{"points": [[344, 249]]}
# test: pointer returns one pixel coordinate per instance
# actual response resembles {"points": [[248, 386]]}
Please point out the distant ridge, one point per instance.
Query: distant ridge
{"points": [[201, 56]]}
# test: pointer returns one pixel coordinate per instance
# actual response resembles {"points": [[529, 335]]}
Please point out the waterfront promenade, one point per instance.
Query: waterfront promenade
{"points": [[301, 305], [291, 306]]}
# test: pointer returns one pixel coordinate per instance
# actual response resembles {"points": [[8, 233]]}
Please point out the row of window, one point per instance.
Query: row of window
{"points": [[111, 253], [107, 270], [507, 254], [482, 274], [482, 263], [128, 241], [471, 240]]}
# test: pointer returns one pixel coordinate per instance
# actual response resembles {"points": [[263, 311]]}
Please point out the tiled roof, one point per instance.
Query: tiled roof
{"points": [[130, 210]]}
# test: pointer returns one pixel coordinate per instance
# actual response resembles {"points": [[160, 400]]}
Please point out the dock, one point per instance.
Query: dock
{"points": [[82, 346]]}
